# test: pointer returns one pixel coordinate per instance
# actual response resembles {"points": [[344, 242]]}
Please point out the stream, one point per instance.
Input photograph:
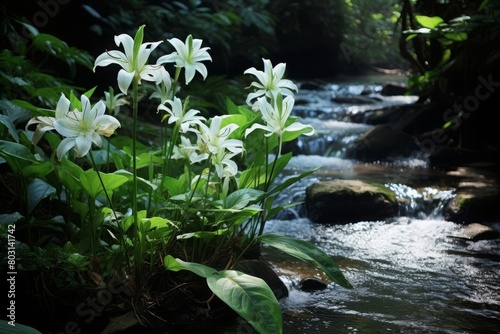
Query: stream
{"points": [[409, 274]]}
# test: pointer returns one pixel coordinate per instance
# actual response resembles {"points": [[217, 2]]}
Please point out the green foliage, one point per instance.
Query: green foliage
{"points": [[307, 252], [24, 70], [199, 190], [371, 25], [249, 296], [433, 43]]}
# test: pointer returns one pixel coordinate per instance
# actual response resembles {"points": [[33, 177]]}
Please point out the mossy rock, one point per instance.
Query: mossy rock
{"points": [[344, 201], [474, 206]]}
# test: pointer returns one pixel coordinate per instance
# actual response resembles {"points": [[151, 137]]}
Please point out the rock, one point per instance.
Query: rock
{"points": [[345, 201], [312, 284], [259, 268], [473, 202], [383, 142], [393, 89], [354, 99], [478, 232]]}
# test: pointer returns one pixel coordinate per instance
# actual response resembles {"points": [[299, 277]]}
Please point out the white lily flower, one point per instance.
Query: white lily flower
{"points": [[46, 123], [133, 61], [271, 82], [163, 87], [188, 55], [224, 166], [276, 117], [114, 102], [186, 150], [82, 128], [183, 119], [211, 139]]}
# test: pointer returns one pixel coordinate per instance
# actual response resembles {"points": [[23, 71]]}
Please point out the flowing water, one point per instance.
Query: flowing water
{"points": [[410, 275]]}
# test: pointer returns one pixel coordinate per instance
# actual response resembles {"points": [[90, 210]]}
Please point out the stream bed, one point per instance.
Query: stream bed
{"points": [[410, 273]]}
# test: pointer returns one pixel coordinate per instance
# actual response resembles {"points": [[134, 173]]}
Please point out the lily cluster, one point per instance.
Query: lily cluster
{"points": [[80, 127], [192, 200]]}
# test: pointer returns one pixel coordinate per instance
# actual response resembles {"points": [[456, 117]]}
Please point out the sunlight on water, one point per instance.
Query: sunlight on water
{"points": [[409, 276], [411, 273]]}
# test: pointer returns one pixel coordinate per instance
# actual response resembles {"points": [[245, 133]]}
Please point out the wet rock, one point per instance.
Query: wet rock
{"points": [[344, 201], [354, 99], [393, 89], [442, 155], [478, 232], [310, 284], [473, 202], [259, 268], [383, 142]]}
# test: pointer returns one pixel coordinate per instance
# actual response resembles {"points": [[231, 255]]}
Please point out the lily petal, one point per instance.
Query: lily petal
{"points": [[124, 80]]}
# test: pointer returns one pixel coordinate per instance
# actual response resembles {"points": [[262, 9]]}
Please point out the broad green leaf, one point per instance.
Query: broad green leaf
{"points": [[16, 155], [79, 207], [174, 186], [10, 127], [92, 185], [307, 252], [456, 36], [37, 191], [38, 169], [247, 295], [69, 172], [10, 218], [241, 198], [197, 268], [250, 297], [5, 327], [142, 183], [206, 235], [428, 21]]}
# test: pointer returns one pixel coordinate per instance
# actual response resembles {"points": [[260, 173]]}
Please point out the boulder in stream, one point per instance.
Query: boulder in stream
{"points": [[476, 232], [345, 201], [475, 201], [381, 143]]}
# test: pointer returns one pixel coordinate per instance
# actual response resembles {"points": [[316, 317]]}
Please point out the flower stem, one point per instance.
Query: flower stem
{"points": [[138, 240]]}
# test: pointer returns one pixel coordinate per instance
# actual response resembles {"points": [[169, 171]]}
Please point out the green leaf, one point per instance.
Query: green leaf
{"points": [[38, 169], [249, 296], [37, 191], [307, 252], [17, 329], [456, 36], [428, 21], [69, 172], [241, 198], [10, 218], [17, 156], [92, 185], [10, 127], [142, 183], [197, 268], [174, 186]]}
